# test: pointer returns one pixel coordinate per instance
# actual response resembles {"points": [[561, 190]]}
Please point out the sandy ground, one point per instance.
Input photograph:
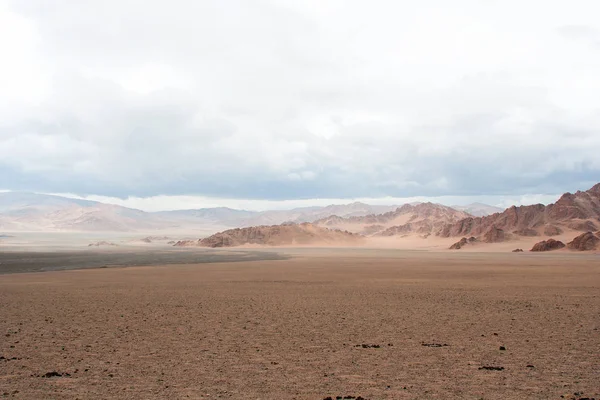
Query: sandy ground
{"points": [[295, 328]]}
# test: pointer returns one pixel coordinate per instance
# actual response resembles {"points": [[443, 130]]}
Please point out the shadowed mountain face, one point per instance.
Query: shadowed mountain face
{"points": [[422, 218], [579, 211]]}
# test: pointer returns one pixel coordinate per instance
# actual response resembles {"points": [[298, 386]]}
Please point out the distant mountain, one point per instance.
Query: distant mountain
{"points": [[576, 212], [311, 214], [215, 216], [39, 212], [479, 209], [420, 218]]}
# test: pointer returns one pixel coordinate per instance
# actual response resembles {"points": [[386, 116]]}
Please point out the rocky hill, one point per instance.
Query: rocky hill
{"points": [[421, 218], [579, 211], [278, 235]]}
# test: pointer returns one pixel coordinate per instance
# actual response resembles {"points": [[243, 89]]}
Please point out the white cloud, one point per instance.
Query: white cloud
{"points": [[297, 100]]}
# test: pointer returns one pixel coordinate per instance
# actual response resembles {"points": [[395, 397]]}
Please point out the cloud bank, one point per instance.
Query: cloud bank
{"points": [[281, 100]]}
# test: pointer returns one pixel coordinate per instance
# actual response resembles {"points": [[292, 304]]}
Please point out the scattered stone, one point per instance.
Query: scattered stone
{"points": [[517, 251], [434, 344], [54, 374], [530, 366], [368, 346], [345, 398], [491, 368], [502, 348]]}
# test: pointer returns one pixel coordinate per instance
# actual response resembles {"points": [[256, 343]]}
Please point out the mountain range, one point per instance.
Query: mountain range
{"points": [[42, 212]]}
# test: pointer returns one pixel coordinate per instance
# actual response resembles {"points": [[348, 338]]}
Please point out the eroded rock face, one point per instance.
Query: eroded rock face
{"points": [[548, 245], [584, 242], [462, 242], [585, 226], [494, 235], [552, 230], [580, 210]]}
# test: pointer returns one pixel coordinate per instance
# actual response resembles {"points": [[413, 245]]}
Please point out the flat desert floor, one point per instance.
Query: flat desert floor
{"points": [[313, 324]]}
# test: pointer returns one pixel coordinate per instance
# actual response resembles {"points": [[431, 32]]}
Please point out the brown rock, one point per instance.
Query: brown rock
{"points": [[552, 230], [585, 241], [517, 251], [494, 235], [548, 245], [281, 235]]}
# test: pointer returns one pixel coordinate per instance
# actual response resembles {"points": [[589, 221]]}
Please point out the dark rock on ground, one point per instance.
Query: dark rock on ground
{"points": [[548, 245], [585, 241]]}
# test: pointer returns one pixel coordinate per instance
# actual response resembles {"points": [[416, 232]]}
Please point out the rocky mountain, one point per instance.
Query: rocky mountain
{"points": [[579, 211], [421, 218], [277, 235]]}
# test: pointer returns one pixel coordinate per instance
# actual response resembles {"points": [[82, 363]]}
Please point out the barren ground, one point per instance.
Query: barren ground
{"points": [[295, 328]]}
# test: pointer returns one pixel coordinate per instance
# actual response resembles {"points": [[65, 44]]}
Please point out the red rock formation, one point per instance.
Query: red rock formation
{"points": [[581, 207], [585, 241], [548, 245], [280, 235], [462, 242]]}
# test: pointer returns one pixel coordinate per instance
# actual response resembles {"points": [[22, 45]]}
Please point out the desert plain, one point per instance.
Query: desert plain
{"points": [[301, 324]]}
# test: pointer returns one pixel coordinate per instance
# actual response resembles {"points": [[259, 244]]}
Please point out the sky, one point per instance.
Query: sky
{"points": [[280, 102]]}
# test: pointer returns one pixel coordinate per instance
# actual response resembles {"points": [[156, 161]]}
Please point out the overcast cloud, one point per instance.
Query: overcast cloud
{"points": [[288, 100]]}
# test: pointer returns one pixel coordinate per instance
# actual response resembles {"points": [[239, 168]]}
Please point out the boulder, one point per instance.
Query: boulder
{"points": [[585, 241], [548, 245]]}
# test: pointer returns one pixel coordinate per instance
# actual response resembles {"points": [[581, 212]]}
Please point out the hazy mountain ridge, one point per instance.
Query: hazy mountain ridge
{"points": [[421, 218], [40, 212]]}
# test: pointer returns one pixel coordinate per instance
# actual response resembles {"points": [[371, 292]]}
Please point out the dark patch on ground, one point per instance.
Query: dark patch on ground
{"points": [[16, 262]]}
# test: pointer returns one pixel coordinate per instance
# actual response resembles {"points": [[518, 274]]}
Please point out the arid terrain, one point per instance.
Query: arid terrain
{"points": [[307, 324]]}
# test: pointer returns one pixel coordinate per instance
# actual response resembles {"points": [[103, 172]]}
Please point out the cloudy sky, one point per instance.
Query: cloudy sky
{"points": [[289, 100]]}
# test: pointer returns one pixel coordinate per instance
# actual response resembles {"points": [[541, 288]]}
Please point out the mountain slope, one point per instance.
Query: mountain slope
{"points": [[421, 218], [579, 211]]}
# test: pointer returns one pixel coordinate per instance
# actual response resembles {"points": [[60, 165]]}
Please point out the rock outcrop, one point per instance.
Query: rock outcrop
{"points": [[552, 230], [494, 235], [463, 242], [279, 235], [548, 245], [585, 241]]}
